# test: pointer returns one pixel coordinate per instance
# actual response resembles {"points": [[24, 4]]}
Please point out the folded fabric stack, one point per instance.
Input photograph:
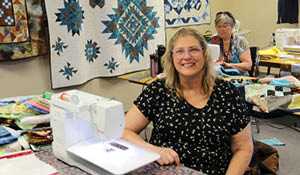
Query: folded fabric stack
{"points": [[20, 108], [41, 137], [9, 142], [20, 116], [14, 109], [6, 137], [37, 104]]}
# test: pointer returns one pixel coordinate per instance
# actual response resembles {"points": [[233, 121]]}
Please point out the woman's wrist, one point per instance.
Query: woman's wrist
{"points": [[228, 65]]}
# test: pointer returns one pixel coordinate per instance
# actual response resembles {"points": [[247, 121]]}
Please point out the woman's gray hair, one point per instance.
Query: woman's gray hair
{"points": [[224, 18], [172, 76]]}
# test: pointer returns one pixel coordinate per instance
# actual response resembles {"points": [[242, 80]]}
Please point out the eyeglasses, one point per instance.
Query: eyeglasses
{"points": [[193, 51], [224, 25]]}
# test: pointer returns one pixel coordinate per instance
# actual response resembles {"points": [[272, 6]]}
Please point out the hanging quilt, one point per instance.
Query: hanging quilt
{"points": [[101, 38], [186, 12], [23, 29]]}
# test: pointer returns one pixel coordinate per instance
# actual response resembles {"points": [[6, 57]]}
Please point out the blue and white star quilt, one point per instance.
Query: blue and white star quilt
{"points": [[102, 38]]}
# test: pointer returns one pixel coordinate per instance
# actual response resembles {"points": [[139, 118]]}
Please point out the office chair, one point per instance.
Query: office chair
{"points": [[254, 68]]}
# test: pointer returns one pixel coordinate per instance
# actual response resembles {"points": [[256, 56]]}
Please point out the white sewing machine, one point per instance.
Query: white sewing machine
{"points": [[86, 133], [214, 51], [288, 39]]}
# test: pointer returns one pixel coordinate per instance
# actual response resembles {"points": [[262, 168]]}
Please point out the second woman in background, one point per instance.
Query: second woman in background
{"points": [[235, 52]]}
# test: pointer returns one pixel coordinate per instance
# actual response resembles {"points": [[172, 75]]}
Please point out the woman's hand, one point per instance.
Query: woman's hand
{"points": [[167, 156], [228, 65], [220, 61]]}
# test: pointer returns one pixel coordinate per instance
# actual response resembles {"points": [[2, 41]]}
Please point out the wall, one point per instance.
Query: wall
{"points": [[258, 16], [32, 76]]}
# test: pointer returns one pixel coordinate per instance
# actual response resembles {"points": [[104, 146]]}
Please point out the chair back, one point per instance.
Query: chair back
{"points": [[254, 67]]}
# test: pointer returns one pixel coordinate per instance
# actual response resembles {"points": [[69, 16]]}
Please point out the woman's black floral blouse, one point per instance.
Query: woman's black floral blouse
{"points": [[201, 137]]}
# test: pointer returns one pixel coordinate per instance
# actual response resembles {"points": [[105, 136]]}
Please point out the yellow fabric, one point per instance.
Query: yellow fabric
{"points": [[16, 110], [295, 104], [273, 52]]}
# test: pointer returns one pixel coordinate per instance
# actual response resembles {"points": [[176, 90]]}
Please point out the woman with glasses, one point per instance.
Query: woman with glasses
{"points": [[235, 52], [198, 120]]}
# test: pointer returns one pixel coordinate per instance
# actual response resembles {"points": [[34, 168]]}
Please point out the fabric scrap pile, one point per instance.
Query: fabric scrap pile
{"points": [[13, 112], [269, 94]]}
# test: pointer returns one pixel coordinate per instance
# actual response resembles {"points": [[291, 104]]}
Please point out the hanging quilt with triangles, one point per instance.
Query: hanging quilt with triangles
{"points": [[102, 38], [186, 12]]}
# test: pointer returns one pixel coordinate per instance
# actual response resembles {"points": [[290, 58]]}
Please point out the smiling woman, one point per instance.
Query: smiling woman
{"points": [[192, 41], [198, 120]]}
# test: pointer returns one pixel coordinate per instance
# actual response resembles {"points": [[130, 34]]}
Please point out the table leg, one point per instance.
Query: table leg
{"points": [[269, 69]]}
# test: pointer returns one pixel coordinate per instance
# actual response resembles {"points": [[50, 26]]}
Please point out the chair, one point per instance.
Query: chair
{"points": [[253, 73], [253, 120], [254, 68]]}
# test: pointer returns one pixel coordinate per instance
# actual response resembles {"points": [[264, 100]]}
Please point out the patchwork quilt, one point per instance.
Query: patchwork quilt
{"points": [[101, 38], [268, 97], [23, 29]]}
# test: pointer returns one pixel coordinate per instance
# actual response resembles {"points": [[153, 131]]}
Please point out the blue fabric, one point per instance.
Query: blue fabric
{"points": [[228, 72], [235, 57], [6, 102], [281, 82], [3, 132], [273, 142], [6, 137]]}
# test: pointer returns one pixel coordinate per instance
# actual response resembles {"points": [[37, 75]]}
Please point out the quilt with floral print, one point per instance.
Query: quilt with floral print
{"points": [[186, 12], [101, 38], [23, 29]]}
